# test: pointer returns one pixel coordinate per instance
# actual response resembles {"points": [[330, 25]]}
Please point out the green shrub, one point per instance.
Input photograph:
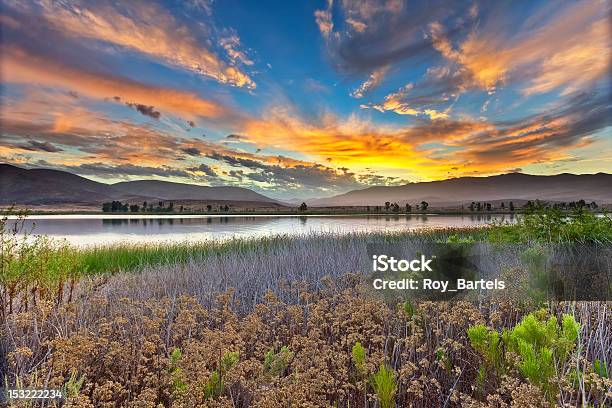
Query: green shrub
{"points": [[385, 386], [358, 356], [178, 385], [600, 368], [73, 386], [443, 358], [34, 267], [543, 346], [216, 382], [536, 365], [229, 360], [487, 342], [214, 387], [541, 333], [409, 308], [276, 363]]}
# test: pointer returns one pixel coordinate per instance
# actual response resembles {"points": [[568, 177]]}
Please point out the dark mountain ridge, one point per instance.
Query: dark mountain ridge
{"points": [[46, 186], [511, 186]]}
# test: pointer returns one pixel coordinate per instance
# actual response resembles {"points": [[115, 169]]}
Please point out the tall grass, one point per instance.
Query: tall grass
{"points": [[129, 257], [38, 267]]}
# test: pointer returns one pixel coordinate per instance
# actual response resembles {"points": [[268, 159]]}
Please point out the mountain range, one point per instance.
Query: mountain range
{"points": [[506, 187], [45, 186]]}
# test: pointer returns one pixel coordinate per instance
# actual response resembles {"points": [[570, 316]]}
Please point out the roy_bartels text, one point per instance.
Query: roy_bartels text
{"points": [[417, 269]]}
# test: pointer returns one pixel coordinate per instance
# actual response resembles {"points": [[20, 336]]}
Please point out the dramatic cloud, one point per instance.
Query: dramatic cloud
{"points": [[543, 137], [312, 177], [233, 47], [18, 66], [376, 33], [489, 59], [144, 27], [106, 148], [585, 59], [481, 48], [476, 145], [403, 103], [351, 142], [89, 136]]}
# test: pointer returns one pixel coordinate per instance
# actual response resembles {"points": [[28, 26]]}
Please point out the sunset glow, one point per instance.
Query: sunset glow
{"points": [[305, 99]]}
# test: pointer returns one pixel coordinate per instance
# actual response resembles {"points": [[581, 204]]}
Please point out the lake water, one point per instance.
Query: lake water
{"points": [[86, 230]]}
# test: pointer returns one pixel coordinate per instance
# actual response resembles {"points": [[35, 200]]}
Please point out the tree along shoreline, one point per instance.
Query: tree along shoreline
{"points": [[388, 209], [297, 213]]}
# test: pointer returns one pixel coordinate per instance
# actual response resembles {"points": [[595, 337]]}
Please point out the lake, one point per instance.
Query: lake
{"points": [[84, 230]]}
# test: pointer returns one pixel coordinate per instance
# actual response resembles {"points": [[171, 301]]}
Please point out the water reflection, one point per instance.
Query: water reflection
{"points": [[88, 230]]}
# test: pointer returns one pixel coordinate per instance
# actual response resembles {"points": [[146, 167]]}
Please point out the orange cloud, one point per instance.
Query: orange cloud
{"points": [[537, 55], [479, 56], [88, 143], [453, 147], [147, 28], [396, 102], [324, 21], [353, 143], [584, 60], [18, 66], [424, 150], [432, 149], [82, 136], [357, 25]]}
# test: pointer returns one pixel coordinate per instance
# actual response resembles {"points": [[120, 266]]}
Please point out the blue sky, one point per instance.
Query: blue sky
{"points": [[304, 99]]}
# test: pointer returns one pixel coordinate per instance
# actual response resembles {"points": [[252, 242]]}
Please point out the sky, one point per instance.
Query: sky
{"points": [[303, 99]]}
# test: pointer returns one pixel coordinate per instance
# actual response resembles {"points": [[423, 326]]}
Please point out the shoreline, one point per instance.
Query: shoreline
{"points": [[154, 215], [128, 215]]}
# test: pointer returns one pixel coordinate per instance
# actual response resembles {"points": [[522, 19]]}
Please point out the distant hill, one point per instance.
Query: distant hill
{"points": [[179, 191], [44, 186], [507, 187]]}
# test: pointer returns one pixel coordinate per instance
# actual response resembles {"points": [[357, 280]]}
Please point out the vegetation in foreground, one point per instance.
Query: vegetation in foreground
{"points": [[256, 323], [33, 267], [332, 347]]}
